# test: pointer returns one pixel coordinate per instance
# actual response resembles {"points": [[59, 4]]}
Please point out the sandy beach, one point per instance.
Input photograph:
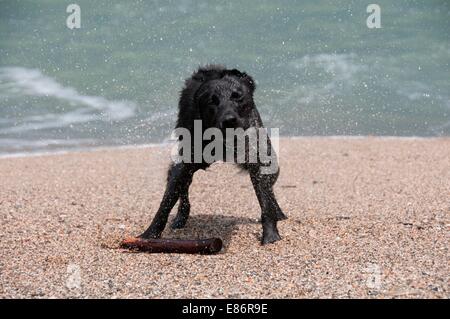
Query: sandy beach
{"points": [[368, 218]]}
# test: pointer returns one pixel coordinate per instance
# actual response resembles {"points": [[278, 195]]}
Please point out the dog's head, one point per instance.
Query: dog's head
{"points": [[225, 99]]}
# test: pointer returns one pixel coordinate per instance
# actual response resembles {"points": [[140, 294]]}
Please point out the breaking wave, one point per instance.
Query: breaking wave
{"points": [[19, 81]]}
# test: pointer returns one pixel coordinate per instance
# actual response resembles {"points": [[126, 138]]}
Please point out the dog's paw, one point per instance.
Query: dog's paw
{"points": [[270, 237], [149, 234], [178, 223]]}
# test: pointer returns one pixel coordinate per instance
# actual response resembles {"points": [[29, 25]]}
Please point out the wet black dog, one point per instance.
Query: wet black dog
{"points": [[220, 98]]}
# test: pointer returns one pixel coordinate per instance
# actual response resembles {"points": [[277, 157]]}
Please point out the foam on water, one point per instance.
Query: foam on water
{"points": [[78, 148], [19, 81], [19, 144], [338, 72]]}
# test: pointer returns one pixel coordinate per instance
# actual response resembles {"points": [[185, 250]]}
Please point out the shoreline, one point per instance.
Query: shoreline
{"points": [[168, 143]]}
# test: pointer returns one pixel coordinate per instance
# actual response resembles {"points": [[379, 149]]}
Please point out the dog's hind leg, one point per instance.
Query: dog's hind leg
{"points": [[268, 188], [279, 212], [178, 177]]}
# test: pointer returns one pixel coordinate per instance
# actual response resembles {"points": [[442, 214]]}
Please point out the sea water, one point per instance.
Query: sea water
{"points": [[320, 69]]}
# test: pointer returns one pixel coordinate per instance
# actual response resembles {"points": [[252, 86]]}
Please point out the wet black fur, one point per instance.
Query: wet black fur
{"points": [[221, 98]]}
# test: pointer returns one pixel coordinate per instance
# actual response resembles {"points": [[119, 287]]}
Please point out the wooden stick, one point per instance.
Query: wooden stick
{"points": [[182, 246]]}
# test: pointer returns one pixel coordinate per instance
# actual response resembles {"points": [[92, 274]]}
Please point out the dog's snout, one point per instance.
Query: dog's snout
{"points": [[229, 121]]}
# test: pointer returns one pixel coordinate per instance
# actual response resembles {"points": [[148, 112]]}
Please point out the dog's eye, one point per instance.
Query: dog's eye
{"points": [[215, 100], [236, 96]]}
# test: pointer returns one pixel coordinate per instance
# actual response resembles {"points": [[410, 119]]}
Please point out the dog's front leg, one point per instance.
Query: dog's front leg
{"points": [[184, 206], [178, 177], [270, 211]]}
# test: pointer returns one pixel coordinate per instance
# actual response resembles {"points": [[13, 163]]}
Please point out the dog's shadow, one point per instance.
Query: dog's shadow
{"points": [[208, 226]]}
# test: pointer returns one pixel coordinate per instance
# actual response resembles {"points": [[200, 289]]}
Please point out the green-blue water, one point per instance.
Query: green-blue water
{"points": [[320, 70]]}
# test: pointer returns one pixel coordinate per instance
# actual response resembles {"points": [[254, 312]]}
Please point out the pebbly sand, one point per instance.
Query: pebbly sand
{"points": [[368, 218]]}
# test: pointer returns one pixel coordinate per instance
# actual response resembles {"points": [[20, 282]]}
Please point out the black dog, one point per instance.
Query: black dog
{"points": [[220, 98]]}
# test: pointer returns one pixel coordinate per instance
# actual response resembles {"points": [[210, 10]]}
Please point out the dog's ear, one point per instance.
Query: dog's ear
{"points": [[208, 72], [245, 78]]}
